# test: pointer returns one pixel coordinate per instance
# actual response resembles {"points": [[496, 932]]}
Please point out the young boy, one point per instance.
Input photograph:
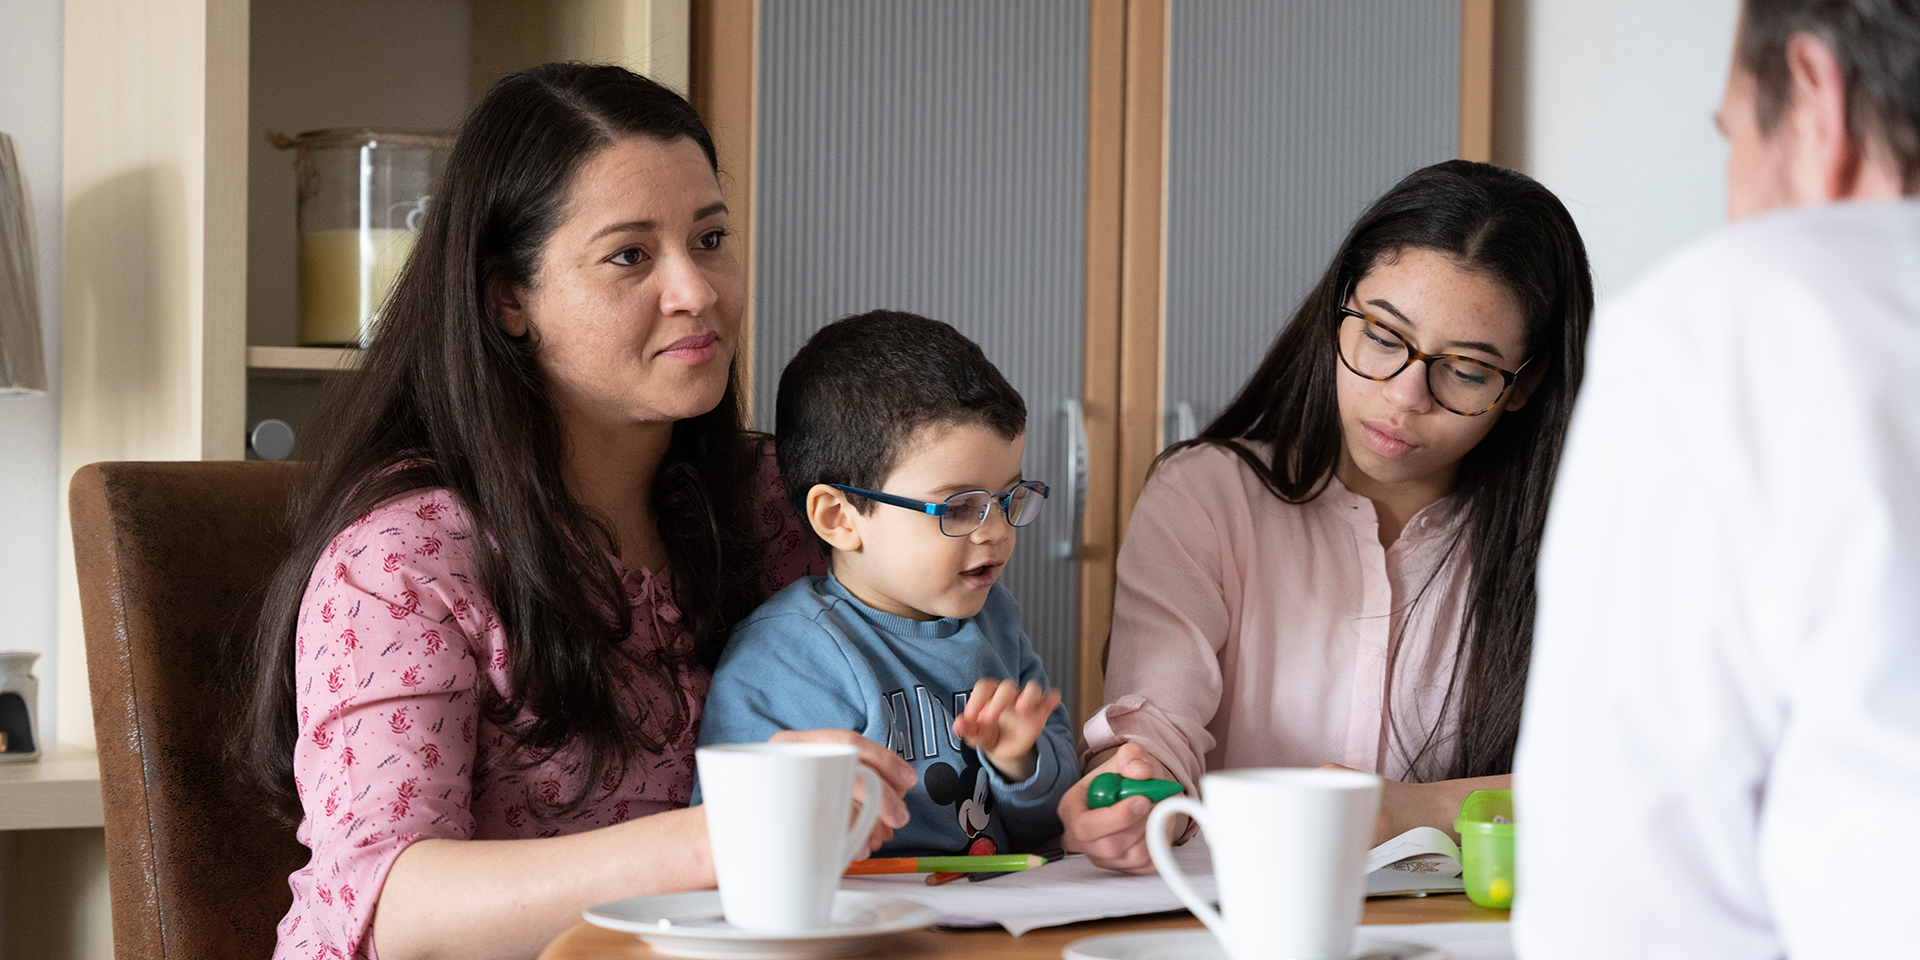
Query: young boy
{"points": [[901, 444]]}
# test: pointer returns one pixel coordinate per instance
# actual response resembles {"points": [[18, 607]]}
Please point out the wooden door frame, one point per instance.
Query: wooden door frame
{"points": [[1476, 80], [1122, 369], [723, 82], [724, 48], [1123, 326], [1137, 51]]}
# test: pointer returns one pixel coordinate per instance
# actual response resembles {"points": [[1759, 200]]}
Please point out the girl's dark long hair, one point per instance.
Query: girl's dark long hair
{"points": [[445, 398], [1506, 226]]}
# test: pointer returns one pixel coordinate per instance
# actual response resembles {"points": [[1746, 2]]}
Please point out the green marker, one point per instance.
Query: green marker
{"points": [[1108, 789]]}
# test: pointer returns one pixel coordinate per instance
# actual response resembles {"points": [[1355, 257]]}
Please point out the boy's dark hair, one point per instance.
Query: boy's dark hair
{"points": [[1878, 45], [852, 399]]}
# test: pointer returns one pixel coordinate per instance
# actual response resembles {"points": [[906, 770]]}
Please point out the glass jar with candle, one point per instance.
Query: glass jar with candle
{"points": [[363, 195]]}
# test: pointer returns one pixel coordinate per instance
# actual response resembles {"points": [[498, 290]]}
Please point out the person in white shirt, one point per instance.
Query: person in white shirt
{"points": [[1720, 750]]}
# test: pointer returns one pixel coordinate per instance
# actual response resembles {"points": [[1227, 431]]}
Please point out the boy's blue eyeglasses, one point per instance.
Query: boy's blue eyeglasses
{"points": [[963, 513]]}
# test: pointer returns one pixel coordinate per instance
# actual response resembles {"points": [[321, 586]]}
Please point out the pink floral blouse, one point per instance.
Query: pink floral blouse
{"points": [[395, 641]]}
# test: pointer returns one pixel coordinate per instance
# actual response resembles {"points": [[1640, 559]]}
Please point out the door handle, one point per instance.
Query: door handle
{"points": [[1068, 547], [1185, 425]]}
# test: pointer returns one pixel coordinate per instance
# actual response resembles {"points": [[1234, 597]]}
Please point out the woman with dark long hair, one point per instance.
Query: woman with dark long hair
{"points": [[535, 515], [1339, 569]]}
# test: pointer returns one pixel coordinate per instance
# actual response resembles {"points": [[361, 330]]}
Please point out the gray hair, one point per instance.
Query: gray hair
{"points": [[1878, 45]]}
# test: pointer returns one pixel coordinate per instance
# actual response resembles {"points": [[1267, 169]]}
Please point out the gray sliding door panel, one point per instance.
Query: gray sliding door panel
{"points": [[1285, 119], [931, 157]]}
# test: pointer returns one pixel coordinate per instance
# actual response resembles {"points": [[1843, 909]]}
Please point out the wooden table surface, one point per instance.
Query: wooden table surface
{"points": [[588, 942]]}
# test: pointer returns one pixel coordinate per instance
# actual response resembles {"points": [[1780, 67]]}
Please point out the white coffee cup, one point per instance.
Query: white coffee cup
{"points": [[777, 821], [1288, 847]]}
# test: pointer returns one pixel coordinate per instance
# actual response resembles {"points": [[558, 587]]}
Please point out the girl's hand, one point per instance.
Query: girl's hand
{"points": [[1003, 721], [1398, 801], [1114, 837], [896, 777], [1404, 806]]}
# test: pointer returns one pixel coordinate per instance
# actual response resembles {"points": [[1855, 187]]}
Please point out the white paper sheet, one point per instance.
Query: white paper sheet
{"points": [[1072, 890], [1393, 883], [1066, 891]]}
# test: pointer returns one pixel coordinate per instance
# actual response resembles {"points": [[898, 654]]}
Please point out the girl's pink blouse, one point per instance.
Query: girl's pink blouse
{"points": [[1252, 632], [394, 644]]}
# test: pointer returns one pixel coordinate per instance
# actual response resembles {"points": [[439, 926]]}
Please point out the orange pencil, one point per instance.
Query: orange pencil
{"points": [[994, 863]]}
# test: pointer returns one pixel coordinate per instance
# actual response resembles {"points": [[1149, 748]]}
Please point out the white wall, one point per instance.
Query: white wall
{"points": [[1610, 104], [30, 530]]}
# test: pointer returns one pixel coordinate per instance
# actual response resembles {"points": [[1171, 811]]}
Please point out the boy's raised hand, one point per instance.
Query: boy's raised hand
{"points": [[1003, 721]]}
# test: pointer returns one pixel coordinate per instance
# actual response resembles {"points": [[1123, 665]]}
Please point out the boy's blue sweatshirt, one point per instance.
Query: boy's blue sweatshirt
{"points": [[813, 657]]}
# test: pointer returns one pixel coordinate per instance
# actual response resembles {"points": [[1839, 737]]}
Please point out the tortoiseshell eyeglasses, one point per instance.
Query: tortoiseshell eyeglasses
{"points": [[1461, 385]]}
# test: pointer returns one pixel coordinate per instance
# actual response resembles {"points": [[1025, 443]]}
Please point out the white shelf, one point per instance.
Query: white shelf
{"points": [[58, 791], [307, 359]]}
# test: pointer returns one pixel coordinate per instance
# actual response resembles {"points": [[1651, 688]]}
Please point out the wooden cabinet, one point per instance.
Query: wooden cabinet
{"points": [[866, 111], [178, 306]]}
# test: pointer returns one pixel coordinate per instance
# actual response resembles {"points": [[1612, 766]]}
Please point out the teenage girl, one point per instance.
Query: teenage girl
{"points": [[1339, 570]]}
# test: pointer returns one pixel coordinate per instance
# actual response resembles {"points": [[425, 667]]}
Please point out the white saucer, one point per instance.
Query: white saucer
{"points": [[1201, 945], [691, 925]]}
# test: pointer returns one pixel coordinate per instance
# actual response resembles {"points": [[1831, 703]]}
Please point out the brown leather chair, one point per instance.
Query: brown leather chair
{"points": [[173, 561]]}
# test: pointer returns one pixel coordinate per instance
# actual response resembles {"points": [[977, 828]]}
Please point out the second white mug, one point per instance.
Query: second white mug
{"points": [[1288, 847], [777, 821]]}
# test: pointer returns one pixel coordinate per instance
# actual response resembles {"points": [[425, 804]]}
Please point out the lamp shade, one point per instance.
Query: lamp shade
{"points": [[23, 364]]}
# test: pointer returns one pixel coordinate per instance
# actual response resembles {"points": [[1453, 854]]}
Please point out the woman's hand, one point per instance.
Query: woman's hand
{"points": [[896, 777], [1114, 837], [1404, 806], [502, 899]]}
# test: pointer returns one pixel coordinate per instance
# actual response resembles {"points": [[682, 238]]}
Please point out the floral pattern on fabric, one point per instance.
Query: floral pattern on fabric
{"points": [[395, 643]]}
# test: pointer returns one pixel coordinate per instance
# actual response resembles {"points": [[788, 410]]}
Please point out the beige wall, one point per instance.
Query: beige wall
{"points": [[30, 426], [53, 890]]}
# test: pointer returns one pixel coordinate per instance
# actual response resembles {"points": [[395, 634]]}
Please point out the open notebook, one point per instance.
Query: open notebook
{"points": [[1420, 861]]}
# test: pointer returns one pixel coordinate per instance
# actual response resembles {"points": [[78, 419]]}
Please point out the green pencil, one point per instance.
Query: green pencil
{"points": [[996, 863]]}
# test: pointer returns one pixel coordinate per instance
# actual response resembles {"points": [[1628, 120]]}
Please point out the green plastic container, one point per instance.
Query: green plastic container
{"points": [[1486, 847]]}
